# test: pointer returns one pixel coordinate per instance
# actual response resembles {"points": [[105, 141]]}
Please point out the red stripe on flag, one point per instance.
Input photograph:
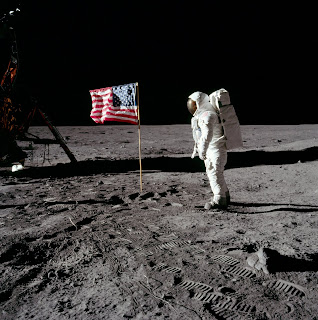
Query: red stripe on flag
{"points": [[121, 120], [101, 90], [102, 100], [121, 115]]}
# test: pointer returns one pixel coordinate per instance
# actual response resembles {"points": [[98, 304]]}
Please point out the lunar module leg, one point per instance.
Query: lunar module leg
{"points": [[57, 136]]}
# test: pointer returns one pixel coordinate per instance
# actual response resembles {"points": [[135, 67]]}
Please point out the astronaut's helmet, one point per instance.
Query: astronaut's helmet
{"points": [[196, 100], [192, 106]]}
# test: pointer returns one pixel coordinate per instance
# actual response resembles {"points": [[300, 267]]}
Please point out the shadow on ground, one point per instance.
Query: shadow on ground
{"points": [[277, 207], [281, 263], [169, 164]]}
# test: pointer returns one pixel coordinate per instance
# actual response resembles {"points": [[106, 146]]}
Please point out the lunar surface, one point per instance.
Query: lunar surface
{"points": [[83, 241]]}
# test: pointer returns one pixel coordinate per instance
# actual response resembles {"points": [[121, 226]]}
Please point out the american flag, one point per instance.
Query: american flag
{"points": [[116, 103]]}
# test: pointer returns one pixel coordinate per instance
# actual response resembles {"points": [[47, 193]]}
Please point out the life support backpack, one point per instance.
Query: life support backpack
{"points": [[220, 100]]}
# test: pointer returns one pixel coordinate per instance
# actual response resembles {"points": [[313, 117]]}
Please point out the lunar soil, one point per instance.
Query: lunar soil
{"points": [[83, 241]]}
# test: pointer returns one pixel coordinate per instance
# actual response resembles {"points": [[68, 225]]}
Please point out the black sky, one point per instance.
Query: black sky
{"points": [[265, 55]]}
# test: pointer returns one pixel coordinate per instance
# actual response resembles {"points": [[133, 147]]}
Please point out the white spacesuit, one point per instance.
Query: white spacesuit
{"points": [[210, 144]]}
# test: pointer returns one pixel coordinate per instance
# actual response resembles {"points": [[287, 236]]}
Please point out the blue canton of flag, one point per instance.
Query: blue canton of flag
{"points": [[124, 95]]}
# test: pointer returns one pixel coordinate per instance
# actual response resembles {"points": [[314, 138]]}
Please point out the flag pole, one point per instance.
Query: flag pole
{"points": [[140, 168]]}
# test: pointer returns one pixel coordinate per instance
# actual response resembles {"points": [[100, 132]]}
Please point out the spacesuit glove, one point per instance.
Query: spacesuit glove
{"points": [[195, 150], [194, 153]]}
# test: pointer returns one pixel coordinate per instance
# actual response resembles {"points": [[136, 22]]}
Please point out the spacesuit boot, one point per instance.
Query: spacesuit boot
{"points": [[221, 203]]}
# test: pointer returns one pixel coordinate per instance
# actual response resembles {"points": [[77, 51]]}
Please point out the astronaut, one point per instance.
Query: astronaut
{"points": [[210, 144]]}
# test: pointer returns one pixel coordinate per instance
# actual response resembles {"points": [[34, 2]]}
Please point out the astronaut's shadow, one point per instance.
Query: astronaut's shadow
{"points": [[260, 157], [301, 208], [241, 159]]}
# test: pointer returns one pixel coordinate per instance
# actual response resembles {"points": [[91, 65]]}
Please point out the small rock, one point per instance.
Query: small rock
{"points": [[57, 208], [258, 261], [262, 256], [156, 209], [156, 196], [176, 204], [50, 199]]}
